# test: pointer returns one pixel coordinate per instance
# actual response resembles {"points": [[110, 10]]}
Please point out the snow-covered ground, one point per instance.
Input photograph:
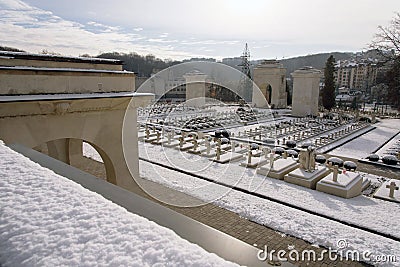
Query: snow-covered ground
{"points": [[372, 213], [366, 144], [361, 210], [314, 229], [48, 220]]}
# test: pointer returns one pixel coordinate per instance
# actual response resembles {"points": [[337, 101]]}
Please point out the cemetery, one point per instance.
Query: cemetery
{"points": [[285, 148], [279, 157]]}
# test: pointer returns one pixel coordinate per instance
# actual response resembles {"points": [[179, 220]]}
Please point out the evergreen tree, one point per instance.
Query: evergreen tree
{"points": [[328, 92]]}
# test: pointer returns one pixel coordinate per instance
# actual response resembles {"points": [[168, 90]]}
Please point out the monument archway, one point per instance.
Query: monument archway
{"points": [[270, 77], [195, 75]]}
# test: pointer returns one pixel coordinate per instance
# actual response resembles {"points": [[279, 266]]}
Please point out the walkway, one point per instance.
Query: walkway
{"points": [[229, 222]]}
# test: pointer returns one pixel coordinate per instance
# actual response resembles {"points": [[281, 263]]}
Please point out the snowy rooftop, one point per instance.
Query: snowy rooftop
{"points": [[30, 56], [49, 220], [28, 68], [19, 98]]}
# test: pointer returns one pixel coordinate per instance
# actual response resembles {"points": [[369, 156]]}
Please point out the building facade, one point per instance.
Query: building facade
{"points": [[24, 73], [356, 74]]}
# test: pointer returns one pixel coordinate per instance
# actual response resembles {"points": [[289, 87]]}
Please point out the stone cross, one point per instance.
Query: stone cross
{"points": [[249, 154], [335, 170], [218, 152], [169, 136], [208, 146], [181, 141], [392, 186], [271, 160], [158, 136], [195, 144], [265, 150], [219, 142]]}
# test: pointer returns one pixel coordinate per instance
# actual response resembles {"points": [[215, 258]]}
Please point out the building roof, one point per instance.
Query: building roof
{"points": [[41, 97], [43, 57], [29, 68]]}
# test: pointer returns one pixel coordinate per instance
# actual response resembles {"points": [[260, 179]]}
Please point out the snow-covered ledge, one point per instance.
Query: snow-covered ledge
{"points": [[52, 218]]}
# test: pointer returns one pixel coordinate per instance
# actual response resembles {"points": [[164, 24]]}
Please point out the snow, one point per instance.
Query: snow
{"points": [[12, 54], [48, 220], [62, 69], [363, 211], [91, 152], [319, 231], [368, 143], [360, 210], [11, 98]]}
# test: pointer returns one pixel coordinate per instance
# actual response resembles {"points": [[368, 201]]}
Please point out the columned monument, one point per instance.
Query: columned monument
{"points": [[270, 77], [195, 88], [305, 91]]}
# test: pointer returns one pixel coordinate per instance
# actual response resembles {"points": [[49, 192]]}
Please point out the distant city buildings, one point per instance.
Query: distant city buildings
{"points": [[356, 74]]}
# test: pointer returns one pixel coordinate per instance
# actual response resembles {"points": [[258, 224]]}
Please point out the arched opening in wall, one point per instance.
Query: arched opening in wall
{"points": [[268, 96], [266, 90], [82, 155]]}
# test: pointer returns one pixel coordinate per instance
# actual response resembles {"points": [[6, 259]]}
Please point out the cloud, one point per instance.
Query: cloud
{"points": [[175, 29], [26, 27]]}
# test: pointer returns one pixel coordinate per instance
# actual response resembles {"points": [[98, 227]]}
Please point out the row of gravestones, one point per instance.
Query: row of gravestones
{"points": [[289, 135], [326, 178], [390, 157], [202, 121]]}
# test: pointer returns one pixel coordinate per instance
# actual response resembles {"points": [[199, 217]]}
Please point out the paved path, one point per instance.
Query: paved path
{"points": [[227, 221]]}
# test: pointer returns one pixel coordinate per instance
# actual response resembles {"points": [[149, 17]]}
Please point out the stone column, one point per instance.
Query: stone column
{"points": [[270, 73], [195, 88], [305, 91]]}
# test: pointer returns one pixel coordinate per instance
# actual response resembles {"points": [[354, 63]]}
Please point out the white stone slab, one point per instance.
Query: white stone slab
{"points": [[383, 192], [185, 146], [343, 179], [150, 139], [159, 142], [225, 147], [172, 144], [280, 169], [353, 185], [306, 179], [212, 154], [255, 162], [228, 157]]}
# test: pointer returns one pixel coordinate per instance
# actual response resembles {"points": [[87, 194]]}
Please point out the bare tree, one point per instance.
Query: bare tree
{"points": [[387, 43], [387, 40]]}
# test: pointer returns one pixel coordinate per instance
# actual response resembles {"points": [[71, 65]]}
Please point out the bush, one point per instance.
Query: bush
{"points": [[389, 160]]}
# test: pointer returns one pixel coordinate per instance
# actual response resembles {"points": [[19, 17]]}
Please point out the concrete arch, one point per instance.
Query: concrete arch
{"points": [[98, 120], [272, 73], [70, 151], [266, 90]]}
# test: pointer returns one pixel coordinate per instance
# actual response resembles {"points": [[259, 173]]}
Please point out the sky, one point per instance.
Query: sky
{"points": [[177, 29]]}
